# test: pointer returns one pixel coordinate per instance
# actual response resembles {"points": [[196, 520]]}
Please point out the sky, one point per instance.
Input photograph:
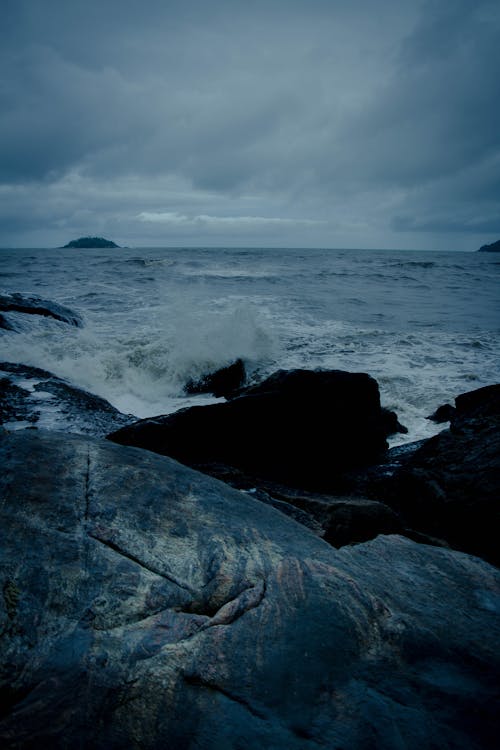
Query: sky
{"points": [[297, 123]]}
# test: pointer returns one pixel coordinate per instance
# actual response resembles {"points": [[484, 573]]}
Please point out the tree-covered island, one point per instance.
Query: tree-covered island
{"points": [[493, 248], [91, 242]]}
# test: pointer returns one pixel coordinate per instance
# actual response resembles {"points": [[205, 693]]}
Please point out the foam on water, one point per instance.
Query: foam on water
{"points": [[141, 362], [426, 329]]}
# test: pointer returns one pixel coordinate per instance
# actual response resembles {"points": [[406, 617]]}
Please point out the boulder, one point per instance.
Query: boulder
{"points": [[444, 413], [449, 487], [222, 382], [303, 427], [20, 303], [144, 605]]}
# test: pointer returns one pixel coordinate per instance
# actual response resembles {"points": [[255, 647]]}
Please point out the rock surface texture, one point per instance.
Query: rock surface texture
{"points": [[31, 396], [147, 606], [304, 427], [19, 303]]}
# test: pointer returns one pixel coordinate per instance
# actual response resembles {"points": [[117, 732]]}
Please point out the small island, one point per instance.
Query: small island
{"points": [[493, 248], [91, 242]]}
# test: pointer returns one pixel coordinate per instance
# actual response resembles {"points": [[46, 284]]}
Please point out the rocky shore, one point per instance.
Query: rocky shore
{"points": [[333, 596]]}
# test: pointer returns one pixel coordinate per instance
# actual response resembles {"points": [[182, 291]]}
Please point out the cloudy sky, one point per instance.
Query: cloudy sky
{"points": [[309, 123]]}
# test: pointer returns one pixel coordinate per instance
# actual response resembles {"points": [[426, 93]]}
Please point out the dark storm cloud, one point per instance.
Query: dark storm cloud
{"points": [[440, 113], [332, 115]]}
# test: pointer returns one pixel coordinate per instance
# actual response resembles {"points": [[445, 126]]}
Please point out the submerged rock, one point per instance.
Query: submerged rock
{"points": [[146, 605], [19, 303], [303, 427], [222, 382], [30, 396]]}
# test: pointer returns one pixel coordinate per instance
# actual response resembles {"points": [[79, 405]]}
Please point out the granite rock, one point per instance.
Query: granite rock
{"points": [[145, 605]]}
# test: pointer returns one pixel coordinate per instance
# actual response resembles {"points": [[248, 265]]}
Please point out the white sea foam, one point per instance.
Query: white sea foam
{"points": [[155, 320], [143, 369]]}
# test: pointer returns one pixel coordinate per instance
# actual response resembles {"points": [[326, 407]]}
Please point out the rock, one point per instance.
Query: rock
{"points": [[13, 404], [302, 427], [147, 606], [493, 248], [90, 242], [354, 520], [222, 382], [444, 413], [449, 488], [5, 324], [338, 520], [475, 408], [36, 306], [30, 396]]}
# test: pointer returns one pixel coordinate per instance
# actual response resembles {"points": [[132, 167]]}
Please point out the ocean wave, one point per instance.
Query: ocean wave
{"points": [[147, 262], [414, 264]]}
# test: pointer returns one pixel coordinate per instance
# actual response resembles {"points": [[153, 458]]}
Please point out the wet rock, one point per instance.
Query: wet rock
{"points": [[30, 396], [146, 605], [19, 303], [450, 486], [444, 413], [222, 382], [5, 324], [303, 427]]}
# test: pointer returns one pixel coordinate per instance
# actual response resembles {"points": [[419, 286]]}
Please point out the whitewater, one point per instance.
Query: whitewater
{"points": [[426, 325]]}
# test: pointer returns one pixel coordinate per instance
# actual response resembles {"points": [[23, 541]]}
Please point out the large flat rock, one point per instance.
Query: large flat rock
{"points": [[147, 606]]}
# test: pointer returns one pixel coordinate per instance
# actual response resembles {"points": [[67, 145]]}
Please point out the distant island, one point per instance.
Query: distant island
{"points": [[91, 242], [493, 248]]}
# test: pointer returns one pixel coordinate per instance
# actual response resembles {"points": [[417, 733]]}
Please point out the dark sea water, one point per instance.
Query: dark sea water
{"points": [[425, 325]]}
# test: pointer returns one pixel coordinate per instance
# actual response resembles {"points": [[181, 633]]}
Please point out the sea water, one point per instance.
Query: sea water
{"points": [[426, 325]]}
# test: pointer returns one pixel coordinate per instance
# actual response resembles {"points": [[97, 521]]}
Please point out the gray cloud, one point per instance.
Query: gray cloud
{"points": [[330, 122]]}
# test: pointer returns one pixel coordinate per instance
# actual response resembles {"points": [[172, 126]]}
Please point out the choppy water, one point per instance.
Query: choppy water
{"points": [[425, 325]]}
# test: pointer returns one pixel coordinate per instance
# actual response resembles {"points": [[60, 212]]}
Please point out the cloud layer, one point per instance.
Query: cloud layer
{"points": [[302, 123]]}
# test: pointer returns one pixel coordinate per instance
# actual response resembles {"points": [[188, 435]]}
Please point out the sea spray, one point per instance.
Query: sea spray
{"points": [[426, 326]]}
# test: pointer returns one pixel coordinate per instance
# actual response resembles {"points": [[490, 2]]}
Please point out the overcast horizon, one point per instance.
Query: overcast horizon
{"points": [[335, 124]]}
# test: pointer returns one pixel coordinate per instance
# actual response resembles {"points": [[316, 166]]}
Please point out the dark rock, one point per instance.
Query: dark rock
{"points": [[37, 397], [144, 605], [338, 520], [13, 406], [91, 242], [37, 306], [355, 520], [5, 324], [493, 248], [449, 487], [291, 509], [477, 407], [444, 413], [223, 382], [301, 427]]}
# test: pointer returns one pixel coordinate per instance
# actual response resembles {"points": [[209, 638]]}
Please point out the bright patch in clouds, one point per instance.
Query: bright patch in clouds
{"points": [[177, 219], [330, 123]]}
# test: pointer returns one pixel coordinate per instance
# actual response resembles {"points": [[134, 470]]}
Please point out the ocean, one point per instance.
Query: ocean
{"points": [[426, 325]]}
